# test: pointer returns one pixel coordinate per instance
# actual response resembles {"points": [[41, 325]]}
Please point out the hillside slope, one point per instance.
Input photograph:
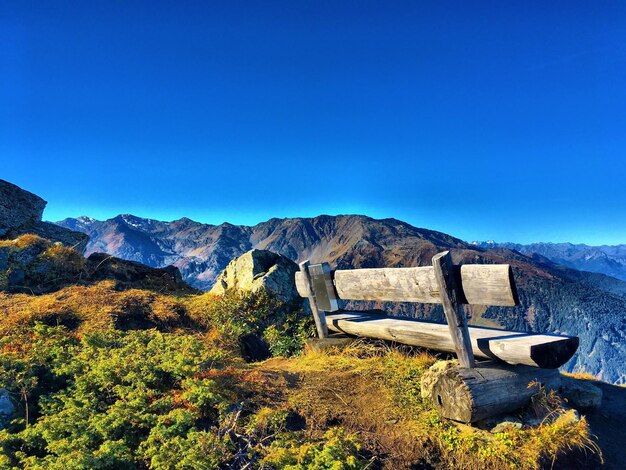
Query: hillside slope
{"points": [[553, 298]]}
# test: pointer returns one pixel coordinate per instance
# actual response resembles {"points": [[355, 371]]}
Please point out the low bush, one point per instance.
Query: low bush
{"points": [[116, 400]]}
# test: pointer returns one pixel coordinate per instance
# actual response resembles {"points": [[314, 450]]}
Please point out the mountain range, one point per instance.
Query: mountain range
{"points": [[553, 297], [604, 259]]}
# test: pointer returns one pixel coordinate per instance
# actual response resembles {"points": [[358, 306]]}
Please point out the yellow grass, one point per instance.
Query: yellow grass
{"points": [[580, 375], [375, 392], [89, 308], [24, 241]]}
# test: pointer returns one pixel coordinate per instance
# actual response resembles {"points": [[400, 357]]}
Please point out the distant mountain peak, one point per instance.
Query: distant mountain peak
{"points": [[605, 259]]}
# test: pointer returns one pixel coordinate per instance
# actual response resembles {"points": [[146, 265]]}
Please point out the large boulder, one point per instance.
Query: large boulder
{"points": [[133, 275], [260, 269], [21, 212], [19, 209], [35, 265], [581, 394]]}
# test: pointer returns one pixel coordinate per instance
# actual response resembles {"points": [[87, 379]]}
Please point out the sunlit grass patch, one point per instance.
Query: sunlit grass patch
{"points": [[373, 391]]}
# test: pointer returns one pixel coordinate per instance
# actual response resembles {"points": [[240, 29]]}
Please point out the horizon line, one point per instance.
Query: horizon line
{"points": [[226, 222]]}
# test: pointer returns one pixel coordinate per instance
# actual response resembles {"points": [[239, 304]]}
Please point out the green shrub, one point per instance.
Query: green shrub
{"points": [[336, 451], [238, 313], [122, 400]]}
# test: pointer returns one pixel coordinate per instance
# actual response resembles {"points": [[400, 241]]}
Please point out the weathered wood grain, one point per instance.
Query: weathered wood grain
{"points": [[321, 282], [488, 284], [538, 350], [489, 389], [318, 315], [302, 284], [480, 284], [455, 316], [388, 284]]}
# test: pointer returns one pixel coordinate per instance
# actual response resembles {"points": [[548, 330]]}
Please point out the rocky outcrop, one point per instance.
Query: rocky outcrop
{"points": [[260, 269], [581, 394], [19, 209], [70, 238], [128, 274], [35, 265], [21, 212]]}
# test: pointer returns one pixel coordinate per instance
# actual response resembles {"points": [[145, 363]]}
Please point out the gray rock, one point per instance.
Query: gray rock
{"points": [[29, 254], [55, 233], [581, 394], [19, 209], [259, 269], [533, 421], [21, 212], [506, 423], [7, 408], [129, 274]]}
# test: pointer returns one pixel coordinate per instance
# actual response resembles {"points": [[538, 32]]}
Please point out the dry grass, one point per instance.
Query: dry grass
{"points": [[581, 375], [375, 393], [65, 257], [24, 241], [89, 308]]}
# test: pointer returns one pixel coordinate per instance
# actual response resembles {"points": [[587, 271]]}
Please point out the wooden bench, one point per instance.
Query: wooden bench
{"points": [[534, 355]]}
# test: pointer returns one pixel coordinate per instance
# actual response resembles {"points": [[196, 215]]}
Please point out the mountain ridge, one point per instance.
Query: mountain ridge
{"points": [[604, 259]]}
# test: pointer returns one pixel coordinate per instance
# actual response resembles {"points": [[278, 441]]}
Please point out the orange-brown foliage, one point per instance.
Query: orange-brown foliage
{"points": [[88, 308]]}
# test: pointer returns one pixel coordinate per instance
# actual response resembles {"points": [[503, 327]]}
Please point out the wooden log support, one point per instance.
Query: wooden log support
{"points": [[318, 315], [455, 316], [489, 389]]}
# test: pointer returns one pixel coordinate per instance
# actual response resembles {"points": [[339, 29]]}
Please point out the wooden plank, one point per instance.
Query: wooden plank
{"points": [[455, 316], [488, 284], [388, 284], [538, 350], [481, 284], [489, 389], [318, 315], [302, 285], [321, 282]]}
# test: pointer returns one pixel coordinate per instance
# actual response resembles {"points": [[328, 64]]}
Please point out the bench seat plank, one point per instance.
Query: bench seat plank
{"points": [[538, 350]]}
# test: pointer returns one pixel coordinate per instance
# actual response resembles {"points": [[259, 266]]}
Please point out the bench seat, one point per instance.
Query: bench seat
{"points": [[539, 350]]}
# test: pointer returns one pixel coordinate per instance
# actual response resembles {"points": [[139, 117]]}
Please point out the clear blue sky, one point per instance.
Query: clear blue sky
{"points": [[486, 120]]}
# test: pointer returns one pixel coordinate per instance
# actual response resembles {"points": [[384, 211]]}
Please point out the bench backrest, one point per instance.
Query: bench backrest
{"points": [[479, 284]]}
